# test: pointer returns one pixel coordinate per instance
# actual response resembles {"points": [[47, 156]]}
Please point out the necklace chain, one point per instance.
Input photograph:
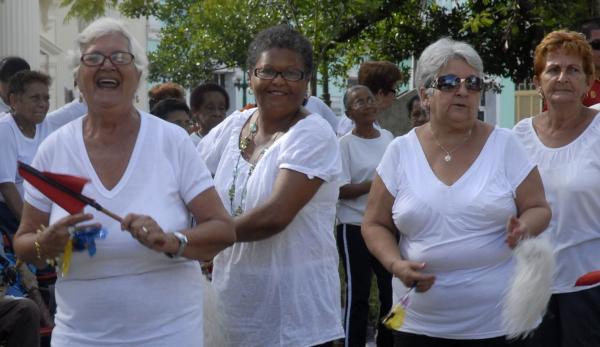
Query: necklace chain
{"points": [[243, 145], [448, 156]]}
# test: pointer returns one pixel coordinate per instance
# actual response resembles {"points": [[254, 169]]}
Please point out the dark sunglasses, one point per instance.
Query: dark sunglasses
{"points": [[449, 83], [595, 45]]}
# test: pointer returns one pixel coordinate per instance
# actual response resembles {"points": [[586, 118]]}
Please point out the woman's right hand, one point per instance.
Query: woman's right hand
{"points": [[409, 273], [52, 240]]}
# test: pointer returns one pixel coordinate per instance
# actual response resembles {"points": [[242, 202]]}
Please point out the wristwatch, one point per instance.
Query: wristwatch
{"points": [[183, 241]]}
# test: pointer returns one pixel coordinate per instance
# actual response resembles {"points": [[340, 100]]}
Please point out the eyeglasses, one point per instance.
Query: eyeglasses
{"points": [[595, 45], [291, 75], [448, 83], [363, 103], [97, 59]]}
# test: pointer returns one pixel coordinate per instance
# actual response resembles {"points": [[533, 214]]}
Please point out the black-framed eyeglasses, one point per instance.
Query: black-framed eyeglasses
{"points": [[291, 75], [595, 44], [448, 83], [97, 59]]}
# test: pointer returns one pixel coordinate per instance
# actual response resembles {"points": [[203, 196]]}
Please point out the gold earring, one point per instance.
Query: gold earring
{"points": [[541, 94]]}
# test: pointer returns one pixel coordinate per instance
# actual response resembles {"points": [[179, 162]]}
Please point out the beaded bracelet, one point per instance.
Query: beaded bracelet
{"points": [[38, 248]]}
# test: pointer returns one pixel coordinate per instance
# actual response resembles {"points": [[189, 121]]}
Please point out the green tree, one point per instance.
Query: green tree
{"points": [[201, 37]]}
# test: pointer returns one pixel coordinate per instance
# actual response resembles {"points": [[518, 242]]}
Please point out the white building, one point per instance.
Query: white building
{"points": [[36, 31]]}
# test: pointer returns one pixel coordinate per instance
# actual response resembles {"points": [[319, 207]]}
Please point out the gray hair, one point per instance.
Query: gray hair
{"points": [[438, 54], [105, 26], [351, 90]]}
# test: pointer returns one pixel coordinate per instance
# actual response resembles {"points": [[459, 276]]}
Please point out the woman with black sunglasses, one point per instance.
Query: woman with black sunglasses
{"points": [[452, 188]]}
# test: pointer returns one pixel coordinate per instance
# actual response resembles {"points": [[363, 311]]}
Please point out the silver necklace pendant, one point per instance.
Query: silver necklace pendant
{"points": [[448, 157]]}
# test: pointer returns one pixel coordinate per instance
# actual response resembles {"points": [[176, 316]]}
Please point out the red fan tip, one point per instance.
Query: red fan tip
{"points": [[588, 279]]}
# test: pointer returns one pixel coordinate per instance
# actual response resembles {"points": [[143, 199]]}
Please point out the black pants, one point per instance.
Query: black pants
{"points": [[19, 322], [8, 222], [402, 339], [359, 266], [572, 320]]}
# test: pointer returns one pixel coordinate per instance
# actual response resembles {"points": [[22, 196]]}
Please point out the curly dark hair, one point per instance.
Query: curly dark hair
{"points": [[197, 96], [9, 66], [281, 36], [166, 106], [167, 90], [19, 82]]}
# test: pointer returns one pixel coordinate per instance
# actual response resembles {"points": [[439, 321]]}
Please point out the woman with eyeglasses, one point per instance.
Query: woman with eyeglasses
{"points": [[461, 193], [142, 287], [209, 103], [382, 78], [276, 169], [564, 141], [361, 151]]}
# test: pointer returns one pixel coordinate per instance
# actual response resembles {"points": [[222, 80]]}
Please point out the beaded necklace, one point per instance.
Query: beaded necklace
{"points": [[243, 145]]}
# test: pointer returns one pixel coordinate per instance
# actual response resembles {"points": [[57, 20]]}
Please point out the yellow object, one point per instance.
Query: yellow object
{"points": [[395, 318], [66, 263]]}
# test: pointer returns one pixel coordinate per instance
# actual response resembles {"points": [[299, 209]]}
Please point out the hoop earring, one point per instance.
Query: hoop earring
{"points": [[541, 94]]}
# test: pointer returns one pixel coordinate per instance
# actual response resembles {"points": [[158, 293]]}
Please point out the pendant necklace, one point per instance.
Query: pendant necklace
{"points": [[448, 156]]}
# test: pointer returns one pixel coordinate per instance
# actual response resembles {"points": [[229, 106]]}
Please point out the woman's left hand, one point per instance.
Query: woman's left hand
{"points": [[147, 231], [517, 231]]}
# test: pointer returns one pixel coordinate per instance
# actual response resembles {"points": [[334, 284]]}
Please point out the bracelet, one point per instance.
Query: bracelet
{"points": [[38, 250]]}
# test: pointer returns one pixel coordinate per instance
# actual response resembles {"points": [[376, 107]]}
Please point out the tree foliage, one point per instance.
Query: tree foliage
{"points": [[200, 37]]}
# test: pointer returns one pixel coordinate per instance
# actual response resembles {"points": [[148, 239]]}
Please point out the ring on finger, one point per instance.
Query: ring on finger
{"points": [[71, 230], [145, 230]]}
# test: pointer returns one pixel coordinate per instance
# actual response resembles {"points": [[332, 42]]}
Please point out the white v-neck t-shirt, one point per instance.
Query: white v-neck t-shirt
{"points": [[459, 231], [284, 290], [571, 177], [127, 294]]}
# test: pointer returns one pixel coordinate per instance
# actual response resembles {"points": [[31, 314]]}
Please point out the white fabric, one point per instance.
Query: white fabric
{"points": [[459, 231], [571, 177], [284, 290], [595, 107], [127, 294], [359, 160], [345, 125], [4, 108], [316, 105], [16, 146], [195, 138]]}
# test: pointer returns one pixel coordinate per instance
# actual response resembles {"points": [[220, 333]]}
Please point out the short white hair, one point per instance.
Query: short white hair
{"points": [[438, 54], [105, 26]]}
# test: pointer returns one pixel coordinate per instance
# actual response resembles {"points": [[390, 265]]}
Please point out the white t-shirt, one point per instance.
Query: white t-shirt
{"points": [[316, 105], [195, 138], [345, 125], [16, 146], [459, 231], [127, 294], [284, 290], [359, 160], [571, 176]]}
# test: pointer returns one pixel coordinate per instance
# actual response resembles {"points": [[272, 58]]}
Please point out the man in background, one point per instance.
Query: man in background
{"points": [[8, 67]]}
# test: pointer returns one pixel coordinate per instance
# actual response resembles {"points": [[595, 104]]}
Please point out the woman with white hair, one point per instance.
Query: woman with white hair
{"points": [[461, 193], [141, 288]]}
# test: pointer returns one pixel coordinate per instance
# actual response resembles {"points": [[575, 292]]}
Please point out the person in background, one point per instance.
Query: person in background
{"points": [[316, 105], [9, 66], [361, 150], [382, 78], [461, 193], [19, 319], [144, 286], [208, 103], [276, 169], [173, 111], [167, 90], [591, 29], [563, 142], [417, 114]]}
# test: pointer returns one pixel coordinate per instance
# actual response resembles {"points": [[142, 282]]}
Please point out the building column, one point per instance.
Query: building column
{"points": [[19, 30]]}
